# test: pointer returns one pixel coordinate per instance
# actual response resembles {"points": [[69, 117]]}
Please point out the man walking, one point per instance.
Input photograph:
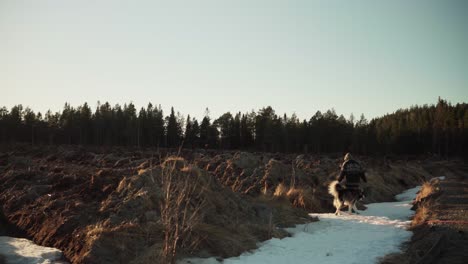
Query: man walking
{"points": [[352, 172]]}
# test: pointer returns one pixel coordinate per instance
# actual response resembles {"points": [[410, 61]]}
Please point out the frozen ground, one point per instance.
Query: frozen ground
{"points": [[363, 238], [334, 239], [23, 251]]}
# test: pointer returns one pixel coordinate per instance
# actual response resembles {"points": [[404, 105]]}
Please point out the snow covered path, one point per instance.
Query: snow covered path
{"points": [[363, 238], [22, 251]]}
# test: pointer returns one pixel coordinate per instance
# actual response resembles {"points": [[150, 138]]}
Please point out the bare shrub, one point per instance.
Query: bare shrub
{"points": [[181, 209]]}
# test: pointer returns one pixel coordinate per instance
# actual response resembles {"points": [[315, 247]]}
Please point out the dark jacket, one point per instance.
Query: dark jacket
{"points": [[353, 172]]}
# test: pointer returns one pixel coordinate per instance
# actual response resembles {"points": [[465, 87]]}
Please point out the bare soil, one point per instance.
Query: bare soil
{"points": [[102, 205], [440, 225]]}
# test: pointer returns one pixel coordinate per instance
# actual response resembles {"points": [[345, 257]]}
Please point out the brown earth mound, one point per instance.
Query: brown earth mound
{"points": [[440, 225], [105, 205]]}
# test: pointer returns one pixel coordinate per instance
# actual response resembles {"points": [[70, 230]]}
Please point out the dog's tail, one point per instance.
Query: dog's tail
{"points": [[333, 188]]}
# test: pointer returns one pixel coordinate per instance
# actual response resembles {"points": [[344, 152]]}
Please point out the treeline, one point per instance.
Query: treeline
{"points": [[441, 129]]}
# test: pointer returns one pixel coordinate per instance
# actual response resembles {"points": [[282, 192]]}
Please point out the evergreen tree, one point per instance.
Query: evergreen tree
{"points": [[158, 127], [236, 131], [440, 129], [263, 128], [131, 129], [205, 130], [224, 125], [247, 130], [85, 123], [4, 124], [189, 136], [173, 130]]}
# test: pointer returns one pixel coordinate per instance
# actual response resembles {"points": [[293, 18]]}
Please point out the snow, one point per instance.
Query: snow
{"points": [[23, 251], [363, 238]]}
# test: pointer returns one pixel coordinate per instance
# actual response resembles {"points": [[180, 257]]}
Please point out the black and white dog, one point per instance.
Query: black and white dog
{"points": [[344, 197]]}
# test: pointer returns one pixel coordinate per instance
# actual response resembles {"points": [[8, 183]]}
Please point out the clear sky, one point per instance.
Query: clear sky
{"points": [[369, 57]]}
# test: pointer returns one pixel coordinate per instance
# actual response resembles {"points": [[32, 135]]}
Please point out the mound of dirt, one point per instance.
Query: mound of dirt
{"points": [[440, 225], [254, 174], [242, 172], [101, 207]]}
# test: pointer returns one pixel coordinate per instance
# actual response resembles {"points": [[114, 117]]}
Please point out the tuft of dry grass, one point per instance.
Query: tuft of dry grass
{"points": [[302, 197], [181, 208], [422, 215], [426, 190], [174, 162], [299, 197], [94, 231], [280, 190], [425, 201]]}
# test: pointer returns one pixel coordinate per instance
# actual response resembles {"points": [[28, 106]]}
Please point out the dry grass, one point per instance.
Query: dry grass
{"points": [[174, 162], [426, 190], [383, 183], [150, 256], [425, 200], [422, 215], [299, 197], [181, 208], [226, 243], [94, 231], [285, 215], [230, 233], [280, 190]]}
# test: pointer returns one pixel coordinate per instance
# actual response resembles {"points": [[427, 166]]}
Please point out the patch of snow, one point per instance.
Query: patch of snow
{"points": [[407, 195], [24, 251], [362, 238]]}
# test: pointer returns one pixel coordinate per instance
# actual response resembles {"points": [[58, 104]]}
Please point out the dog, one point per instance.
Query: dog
{"points": [[344, 197]]}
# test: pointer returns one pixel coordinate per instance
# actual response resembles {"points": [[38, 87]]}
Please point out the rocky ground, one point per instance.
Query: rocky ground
{"points": [[103, 205], [440, 225]]}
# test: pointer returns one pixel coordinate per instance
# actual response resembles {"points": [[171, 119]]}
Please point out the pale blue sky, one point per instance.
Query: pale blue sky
{"points": [[369, 57]]}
